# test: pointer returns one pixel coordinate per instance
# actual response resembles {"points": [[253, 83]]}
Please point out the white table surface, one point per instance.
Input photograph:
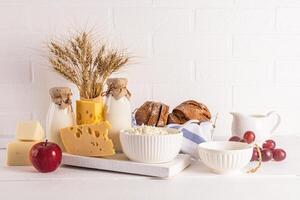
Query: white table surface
{"points": [[275, 180]]}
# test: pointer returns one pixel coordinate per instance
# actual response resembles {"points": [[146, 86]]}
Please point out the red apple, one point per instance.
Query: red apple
{"points": [[45, 156]]}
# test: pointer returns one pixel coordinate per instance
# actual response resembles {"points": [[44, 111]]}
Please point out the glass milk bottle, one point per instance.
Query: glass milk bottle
{"points": [[60, 113], [117, 109]]}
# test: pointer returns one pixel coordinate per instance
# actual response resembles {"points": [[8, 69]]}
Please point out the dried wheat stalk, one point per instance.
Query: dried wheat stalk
{"points": [[79, 61]]}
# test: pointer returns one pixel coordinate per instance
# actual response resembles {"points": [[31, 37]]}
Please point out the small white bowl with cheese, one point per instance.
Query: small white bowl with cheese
{"points": [[147, 144]]}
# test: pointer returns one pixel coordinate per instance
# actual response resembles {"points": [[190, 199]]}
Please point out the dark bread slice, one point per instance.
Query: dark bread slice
{"points": [[142, 114], [163, 116], [154, 114]]}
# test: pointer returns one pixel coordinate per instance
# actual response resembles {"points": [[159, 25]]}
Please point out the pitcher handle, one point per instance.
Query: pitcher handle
{"points": [[278, 120]]}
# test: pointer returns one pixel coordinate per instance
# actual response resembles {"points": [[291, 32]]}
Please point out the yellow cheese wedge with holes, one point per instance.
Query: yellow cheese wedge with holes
{"points": [[88, 140], [88, 112]]}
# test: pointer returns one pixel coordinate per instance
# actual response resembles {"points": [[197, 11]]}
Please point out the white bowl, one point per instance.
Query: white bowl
{"points": [[225, 157], [151, 148]]}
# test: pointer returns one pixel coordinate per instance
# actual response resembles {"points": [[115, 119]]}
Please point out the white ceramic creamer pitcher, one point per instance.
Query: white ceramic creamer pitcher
{"points": [[262, 125]]}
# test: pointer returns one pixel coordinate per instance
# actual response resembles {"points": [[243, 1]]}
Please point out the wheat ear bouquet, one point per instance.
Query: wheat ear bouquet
{"points": [[85, 62]]}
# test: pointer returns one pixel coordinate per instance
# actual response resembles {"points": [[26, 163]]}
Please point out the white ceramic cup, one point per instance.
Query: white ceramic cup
{"points": [[225, 157]]}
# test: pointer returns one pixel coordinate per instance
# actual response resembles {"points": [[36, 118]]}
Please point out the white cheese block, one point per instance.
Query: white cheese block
{"points": [[30, 131], [18, 153]]}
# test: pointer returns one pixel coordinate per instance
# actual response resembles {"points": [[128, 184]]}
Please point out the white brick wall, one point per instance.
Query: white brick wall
{"points": [[231, 20], [233, 55]]}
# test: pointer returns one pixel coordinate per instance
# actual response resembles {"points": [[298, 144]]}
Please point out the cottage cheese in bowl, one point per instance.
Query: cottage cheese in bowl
{"points": [[149, 144], [150, 130]]}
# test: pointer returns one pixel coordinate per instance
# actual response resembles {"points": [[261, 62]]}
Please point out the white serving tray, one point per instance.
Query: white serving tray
{"points": [[119, 163]]}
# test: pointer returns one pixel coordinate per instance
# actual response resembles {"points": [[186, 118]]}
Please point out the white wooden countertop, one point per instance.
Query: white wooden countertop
{"points": [[275, 180]]}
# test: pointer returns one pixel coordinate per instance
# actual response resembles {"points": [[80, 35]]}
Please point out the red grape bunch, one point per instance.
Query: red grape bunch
{"points": [[268, 150]]}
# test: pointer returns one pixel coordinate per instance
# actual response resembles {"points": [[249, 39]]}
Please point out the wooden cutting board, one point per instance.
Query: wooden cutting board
{"points": [[119, 163]]}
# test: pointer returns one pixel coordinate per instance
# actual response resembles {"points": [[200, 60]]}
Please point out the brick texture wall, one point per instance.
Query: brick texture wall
{"points": [[233, 55]]}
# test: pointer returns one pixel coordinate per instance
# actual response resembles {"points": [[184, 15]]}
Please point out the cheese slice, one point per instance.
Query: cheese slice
{"points": [[88, 112], [30, 131], [18, 153], [88, 140]]}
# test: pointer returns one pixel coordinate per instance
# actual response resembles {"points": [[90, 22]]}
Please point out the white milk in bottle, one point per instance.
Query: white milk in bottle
{"points": [[60, 113], [117, 109]]}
